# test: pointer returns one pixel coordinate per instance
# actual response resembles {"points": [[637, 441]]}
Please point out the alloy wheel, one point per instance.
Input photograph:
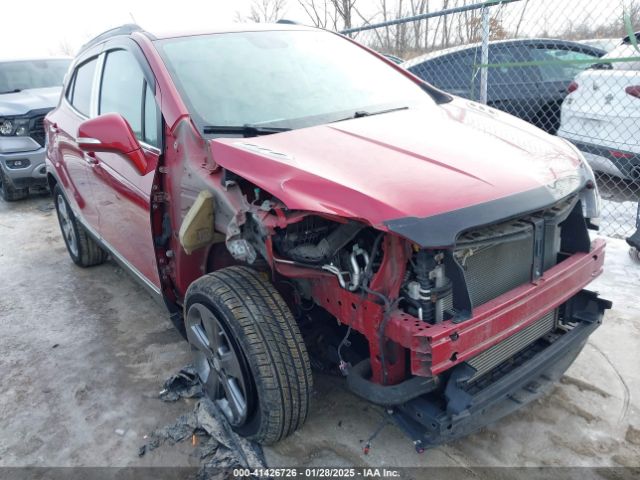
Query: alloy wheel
{"points": [[219, 364], [67, 225]]}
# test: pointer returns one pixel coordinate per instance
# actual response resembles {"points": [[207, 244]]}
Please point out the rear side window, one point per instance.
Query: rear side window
{"points": [[125, 91], [629, 53], [553, 70], [79, 94], [504, 72], [450, 72]]}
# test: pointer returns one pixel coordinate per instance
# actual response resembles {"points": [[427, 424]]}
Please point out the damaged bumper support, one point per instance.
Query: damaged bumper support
{"points": [[387, 395], [466, 406], [449, 398], [437, 348]]}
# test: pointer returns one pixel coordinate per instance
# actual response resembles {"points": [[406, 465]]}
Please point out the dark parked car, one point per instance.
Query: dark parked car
{"points": [[533, 91]]}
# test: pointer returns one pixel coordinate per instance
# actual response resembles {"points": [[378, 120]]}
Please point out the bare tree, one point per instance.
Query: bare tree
{"points": [[419, 7], [264, 11], [445, 4], [345, 11], [410, 38], [524, 11], [321, 13], [426, 28], [401, 37], [401, 31], [613, 29], [335, 14], [387, 30], [64, 48]]}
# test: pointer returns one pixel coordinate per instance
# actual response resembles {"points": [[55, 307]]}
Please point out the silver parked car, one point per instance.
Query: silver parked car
{"points": [[28, 90]]}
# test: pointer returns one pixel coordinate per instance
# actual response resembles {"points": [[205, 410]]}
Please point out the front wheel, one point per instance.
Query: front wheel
{"points": [[249, 353]]}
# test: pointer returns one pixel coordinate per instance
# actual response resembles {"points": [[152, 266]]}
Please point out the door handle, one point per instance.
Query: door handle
{"points": [[54, 128], [90, 158]]}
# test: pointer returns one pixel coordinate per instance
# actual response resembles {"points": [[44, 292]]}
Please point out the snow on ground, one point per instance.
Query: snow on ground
{"points": [[619, 206]]}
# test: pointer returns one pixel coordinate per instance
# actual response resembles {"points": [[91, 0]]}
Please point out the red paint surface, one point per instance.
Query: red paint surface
{"points": [[402, 164], [407, 163]]}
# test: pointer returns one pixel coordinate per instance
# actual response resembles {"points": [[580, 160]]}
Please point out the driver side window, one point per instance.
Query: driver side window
{"points": [[125, 91]]}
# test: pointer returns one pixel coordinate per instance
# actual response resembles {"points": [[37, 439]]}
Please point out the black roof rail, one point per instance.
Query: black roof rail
{"points": [[125, 29], [289, 22]]}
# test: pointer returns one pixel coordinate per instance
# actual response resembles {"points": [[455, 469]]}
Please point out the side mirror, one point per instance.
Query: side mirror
{"points": [[111, 133]]}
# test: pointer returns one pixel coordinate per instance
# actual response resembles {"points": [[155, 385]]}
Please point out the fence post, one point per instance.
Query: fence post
{"points": [[485, 54]]}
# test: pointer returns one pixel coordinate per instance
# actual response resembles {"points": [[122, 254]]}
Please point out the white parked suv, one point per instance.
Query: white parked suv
{"points": [[601, 114]]}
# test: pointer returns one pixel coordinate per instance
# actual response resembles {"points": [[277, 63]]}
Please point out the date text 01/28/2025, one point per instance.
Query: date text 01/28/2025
{"points": [[315, 473]]}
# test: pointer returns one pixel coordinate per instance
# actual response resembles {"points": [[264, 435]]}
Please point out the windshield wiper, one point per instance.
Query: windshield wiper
{"points": [[245, 130], [365, 113], [15, 90]]}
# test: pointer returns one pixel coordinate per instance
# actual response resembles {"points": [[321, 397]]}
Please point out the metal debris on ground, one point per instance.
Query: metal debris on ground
{"points": [[219, 447], [383, 423], [185, 384]]}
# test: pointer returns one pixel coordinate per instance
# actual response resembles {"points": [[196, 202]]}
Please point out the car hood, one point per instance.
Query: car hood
{"points": [[25, 101], [391, 170]]}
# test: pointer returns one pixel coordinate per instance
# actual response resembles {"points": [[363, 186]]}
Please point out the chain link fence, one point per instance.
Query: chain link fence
{"points": [[570, 67]]}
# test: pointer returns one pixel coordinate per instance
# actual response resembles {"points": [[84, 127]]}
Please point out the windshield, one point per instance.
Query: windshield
{"points": [[25, 74], [290, 78]]}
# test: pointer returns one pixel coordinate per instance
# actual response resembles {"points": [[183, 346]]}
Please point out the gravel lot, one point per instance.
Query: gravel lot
{"points": [[83, 354]]}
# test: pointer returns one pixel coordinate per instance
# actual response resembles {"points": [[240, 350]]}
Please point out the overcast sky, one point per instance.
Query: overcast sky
{"points": [[42, 27]]}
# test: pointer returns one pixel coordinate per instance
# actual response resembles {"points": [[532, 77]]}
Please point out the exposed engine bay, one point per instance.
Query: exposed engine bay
{"points": [[353, 254]]}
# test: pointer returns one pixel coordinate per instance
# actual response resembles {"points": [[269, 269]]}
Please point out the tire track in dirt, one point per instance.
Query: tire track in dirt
{"points": [[627, 393]]}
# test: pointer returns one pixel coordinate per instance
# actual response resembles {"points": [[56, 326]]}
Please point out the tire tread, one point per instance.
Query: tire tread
{"points": [[273, 345], [89, 252]]}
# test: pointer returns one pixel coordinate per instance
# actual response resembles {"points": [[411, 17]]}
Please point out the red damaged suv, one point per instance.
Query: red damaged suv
{"points": [[296, 199]]}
